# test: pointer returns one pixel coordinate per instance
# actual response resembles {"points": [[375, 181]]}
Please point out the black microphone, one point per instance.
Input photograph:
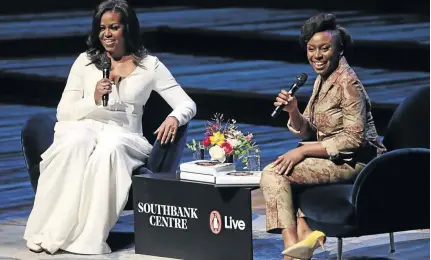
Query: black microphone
{"points": [[106, 68], [300, 80]]}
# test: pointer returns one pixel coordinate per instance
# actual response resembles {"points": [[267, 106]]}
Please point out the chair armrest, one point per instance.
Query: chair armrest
{"points": [[166, 158], [393, 189], [37, 136]]}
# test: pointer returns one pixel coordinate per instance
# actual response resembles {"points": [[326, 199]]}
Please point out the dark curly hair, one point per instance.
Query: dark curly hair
{"points": [[131, 34], [322, 23]]}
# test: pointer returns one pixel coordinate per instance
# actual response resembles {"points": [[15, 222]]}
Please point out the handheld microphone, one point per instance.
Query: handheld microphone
{"points": [[106, 68], [300, 80]]}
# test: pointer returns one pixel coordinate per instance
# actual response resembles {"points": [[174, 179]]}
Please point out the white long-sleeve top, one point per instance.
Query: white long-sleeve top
{"points": [[126, 102]]}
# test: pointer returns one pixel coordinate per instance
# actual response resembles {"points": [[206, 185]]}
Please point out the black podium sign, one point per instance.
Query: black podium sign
{"points": [[189, 220]]}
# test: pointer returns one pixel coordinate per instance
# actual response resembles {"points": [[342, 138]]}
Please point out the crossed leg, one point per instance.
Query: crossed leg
{"points": [[281, 215]]}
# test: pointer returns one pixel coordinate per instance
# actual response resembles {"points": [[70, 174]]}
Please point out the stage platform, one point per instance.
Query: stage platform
{"points": [[411, 245], [16, 199]]}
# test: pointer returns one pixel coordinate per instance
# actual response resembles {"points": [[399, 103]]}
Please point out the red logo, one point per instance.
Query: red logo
{"points": [[215, 222]]}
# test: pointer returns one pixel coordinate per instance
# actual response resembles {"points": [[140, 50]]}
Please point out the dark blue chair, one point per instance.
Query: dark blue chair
{"points": [[38, 134], [391, 194]]}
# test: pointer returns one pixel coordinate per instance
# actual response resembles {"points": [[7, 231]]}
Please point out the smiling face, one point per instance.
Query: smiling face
{"points": [[111, 33], [323, 54]]}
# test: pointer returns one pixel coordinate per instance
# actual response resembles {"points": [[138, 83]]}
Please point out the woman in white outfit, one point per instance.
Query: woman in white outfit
{"points": [[86, 173]]}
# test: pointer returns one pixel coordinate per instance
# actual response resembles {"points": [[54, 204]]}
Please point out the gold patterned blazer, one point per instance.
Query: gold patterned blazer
{"points": [[338, 116]]}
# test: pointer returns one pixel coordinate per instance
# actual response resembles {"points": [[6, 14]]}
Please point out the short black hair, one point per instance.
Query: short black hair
{"points": [[322, 23], [132, 33]]}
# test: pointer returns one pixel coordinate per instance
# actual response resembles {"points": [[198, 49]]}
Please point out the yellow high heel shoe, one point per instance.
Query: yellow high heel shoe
{"points": [[305, 248]]}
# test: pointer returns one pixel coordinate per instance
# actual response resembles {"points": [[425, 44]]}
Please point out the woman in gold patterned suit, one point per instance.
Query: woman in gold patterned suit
{"points": [[338, 116]]}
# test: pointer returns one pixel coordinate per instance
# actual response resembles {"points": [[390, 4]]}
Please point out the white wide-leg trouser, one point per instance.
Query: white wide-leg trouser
{"points": [[83, 186]]}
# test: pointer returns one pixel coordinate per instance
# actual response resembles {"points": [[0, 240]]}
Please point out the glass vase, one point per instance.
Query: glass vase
{"points": [[199, 154]]}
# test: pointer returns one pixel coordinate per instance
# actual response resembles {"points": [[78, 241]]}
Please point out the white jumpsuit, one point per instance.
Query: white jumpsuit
{"points": [[86, 172]]}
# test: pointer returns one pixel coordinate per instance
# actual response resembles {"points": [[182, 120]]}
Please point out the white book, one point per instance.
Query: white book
{"points": [[238, 178], [229, 178], [209, 178], [206, 167]]}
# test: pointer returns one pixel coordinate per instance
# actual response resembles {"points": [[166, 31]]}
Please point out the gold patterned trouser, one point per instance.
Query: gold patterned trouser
{"points": [[277, 189]]}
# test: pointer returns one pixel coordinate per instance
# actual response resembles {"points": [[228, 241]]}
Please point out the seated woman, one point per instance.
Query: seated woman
{"points": [[86, 173], [338, 116]]}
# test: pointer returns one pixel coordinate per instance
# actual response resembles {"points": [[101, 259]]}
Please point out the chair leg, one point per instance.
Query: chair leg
{"points": [[391, 242], [339, 248]]}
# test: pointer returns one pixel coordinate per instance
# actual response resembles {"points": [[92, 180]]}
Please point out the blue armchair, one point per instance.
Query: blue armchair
{"points": [[391, 193], [38, 134]]}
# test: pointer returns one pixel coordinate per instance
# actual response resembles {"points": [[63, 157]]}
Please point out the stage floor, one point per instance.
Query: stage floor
{"points": [[409, 245]]}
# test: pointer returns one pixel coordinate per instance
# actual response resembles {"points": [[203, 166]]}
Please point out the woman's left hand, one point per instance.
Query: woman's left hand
{"points": [[285, 163], [167, 130]]}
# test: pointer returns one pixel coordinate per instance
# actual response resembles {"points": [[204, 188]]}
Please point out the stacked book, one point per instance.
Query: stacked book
{"points": [[220, 174]]}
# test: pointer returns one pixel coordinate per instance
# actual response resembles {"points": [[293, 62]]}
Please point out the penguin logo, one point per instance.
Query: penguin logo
{"points": [[215, 222]]}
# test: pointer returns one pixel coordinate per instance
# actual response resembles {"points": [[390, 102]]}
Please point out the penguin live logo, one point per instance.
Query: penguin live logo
{"points": [[216, 222]]}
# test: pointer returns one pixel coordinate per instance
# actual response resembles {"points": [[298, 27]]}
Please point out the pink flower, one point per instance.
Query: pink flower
{"points": [[249, 137], [227, 147], [232, 142]]}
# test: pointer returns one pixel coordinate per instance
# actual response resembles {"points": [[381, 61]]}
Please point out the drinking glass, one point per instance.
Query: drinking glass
{"points": [[253, 161]]}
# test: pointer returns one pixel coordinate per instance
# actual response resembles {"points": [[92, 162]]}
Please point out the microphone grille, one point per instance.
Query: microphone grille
{"points": [[301, 78], [106, 62]]}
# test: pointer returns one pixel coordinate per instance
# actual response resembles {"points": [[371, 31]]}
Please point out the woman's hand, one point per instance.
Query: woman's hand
{"points": [[103, 87], [286, 99], [285, 163], [167, 130]]}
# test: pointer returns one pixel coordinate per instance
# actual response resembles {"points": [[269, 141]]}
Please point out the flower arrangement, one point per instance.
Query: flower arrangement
{"points": [[224, 140]]}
